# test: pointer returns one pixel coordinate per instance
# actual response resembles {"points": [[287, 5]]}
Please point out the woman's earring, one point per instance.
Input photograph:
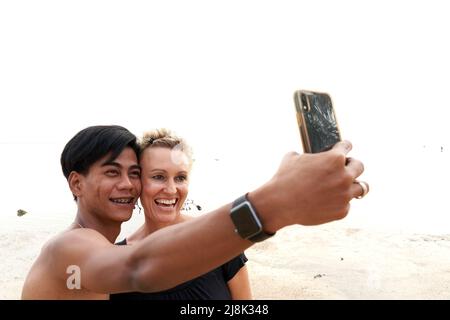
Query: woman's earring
{"points": [[137, 203]]}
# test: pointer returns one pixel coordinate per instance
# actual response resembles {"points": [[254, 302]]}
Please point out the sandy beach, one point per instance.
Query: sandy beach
{"points": [[336, 262], [333, 261]]}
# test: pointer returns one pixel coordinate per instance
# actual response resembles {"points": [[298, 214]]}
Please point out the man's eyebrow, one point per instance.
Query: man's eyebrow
{"points": [[111, 163], [118, 165]]}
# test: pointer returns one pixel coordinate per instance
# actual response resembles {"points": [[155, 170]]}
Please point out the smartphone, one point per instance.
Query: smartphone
{"points": [[316, 120]]}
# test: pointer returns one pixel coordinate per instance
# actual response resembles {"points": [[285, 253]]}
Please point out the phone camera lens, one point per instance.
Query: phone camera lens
{"points": [[305, 103]]}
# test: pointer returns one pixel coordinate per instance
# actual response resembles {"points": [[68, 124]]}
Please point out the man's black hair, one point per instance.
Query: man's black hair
{"points": [[93, 143]]}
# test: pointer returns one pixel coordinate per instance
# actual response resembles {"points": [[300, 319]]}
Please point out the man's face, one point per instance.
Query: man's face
{"points": [[111, 188]]}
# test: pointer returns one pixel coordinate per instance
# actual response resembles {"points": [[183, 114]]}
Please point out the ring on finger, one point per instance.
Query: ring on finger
{"points": [[364, 187]]}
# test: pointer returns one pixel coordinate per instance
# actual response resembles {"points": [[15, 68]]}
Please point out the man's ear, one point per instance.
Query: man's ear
{"points": [[75, 183]]}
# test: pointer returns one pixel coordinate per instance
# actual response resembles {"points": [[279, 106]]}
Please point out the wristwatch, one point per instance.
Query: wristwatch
{"points": [[246, 220]]}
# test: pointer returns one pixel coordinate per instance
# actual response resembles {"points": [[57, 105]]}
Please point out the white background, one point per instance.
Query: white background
{"points": [[222, 74]]}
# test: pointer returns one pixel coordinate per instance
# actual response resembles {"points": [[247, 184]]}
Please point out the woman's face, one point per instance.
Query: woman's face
{"points": [[165, 183]]}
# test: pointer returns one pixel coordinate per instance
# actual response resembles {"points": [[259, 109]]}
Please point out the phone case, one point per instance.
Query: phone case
{"points": [[317, 122]]}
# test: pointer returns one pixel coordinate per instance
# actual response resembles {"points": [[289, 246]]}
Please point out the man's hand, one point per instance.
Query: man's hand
{"points": [[309, 189]]}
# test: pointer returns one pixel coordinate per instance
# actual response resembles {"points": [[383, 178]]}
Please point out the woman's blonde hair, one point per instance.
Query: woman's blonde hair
{"points": [[165, 138]]}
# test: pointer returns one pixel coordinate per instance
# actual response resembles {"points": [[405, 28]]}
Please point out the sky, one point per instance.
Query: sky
{"points": [[222, 74]]}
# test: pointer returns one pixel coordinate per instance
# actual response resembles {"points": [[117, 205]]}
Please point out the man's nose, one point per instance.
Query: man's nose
{"points": [[125, 183]]}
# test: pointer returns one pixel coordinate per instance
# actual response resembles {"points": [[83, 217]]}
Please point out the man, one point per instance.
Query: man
{"points": [[101, 166]]}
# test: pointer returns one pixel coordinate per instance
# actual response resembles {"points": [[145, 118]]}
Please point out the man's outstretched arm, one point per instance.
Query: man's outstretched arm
{"points": [[307, 189]]}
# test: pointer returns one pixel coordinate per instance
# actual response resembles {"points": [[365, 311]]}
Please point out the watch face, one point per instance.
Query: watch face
{"points": [[246, 222]]}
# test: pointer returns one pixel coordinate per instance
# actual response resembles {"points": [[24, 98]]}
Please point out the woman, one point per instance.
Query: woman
{"points": [[166, 162]]}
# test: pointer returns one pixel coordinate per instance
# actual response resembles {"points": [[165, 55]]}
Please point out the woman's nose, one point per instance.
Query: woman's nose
{"points": [[170, 187]]}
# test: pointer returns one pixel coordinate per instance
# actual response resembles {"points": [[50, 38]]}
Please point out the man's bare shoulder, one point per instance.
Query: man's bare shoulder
{"points": [[68, 247], [74, 241], [48, 275]]}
